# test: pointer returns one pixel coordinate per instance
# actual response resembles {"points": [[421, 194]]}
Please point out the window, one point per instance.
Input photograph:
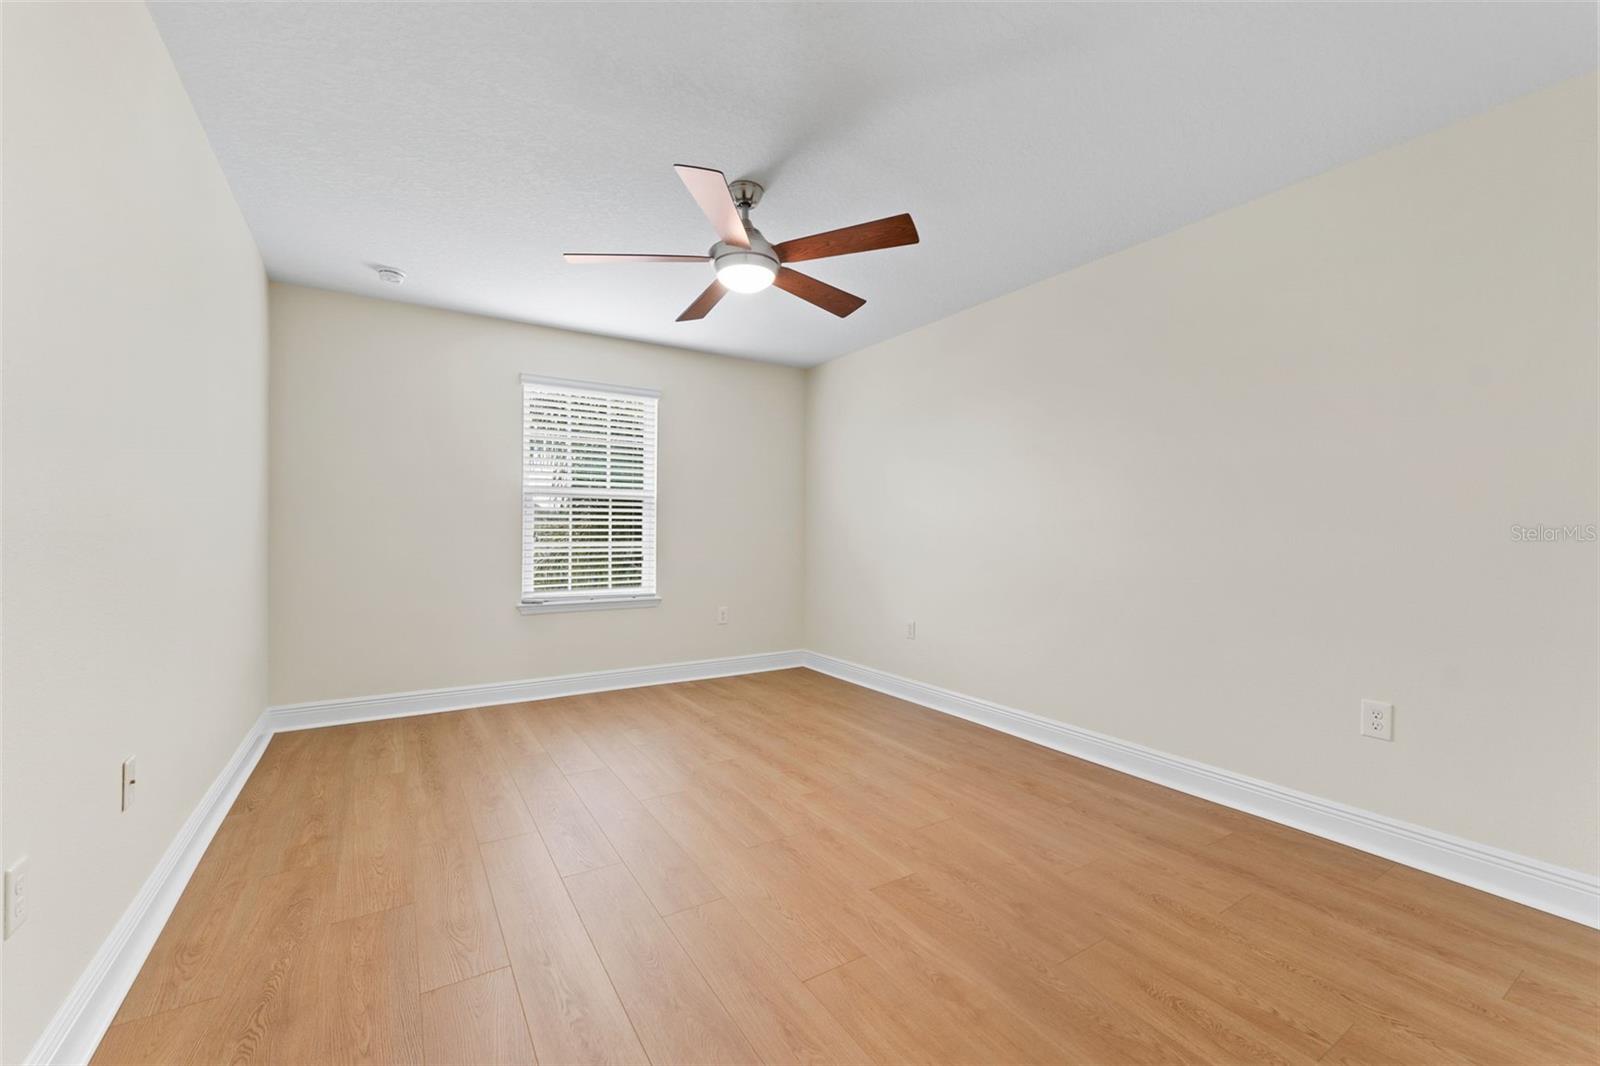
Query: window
{"points": [[588, 496]]}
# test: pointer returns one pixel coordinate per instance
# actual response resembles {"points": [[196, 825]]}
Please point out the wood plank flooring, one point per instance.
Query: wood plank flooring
{"points": [[786, 868]]}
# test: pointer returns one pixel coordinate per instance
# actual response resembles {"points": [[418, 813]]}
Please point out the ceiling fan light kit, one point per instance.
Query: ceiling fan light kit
{"points": [[747, 262], [745, 271]]}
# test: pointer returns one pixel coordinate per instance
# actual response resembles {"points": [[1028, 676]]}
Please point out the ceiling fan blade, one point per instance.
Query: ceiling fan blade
{"points": [[889, 232], [834, 301], [704, 302], [596, 257], [710, 190]]}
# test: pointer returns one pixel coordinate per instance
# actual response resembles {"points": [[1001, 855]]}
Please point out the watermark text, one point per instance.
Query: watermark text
{"points": [[1584, 533]]}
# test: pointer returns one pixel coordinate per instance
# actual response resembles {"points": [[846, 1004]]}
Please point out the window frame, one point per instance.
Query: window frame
{"points": [[609, 600]]}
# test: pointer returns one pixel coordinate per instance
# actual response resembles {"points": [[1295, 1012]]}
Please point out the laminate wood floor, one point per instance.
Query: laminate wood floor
{"points": [[786, 868]]}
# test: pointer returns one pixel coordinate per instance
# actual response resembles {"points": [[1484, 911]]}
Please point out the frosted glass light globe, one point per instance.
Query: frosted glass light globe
{"points": [[746, 271]]}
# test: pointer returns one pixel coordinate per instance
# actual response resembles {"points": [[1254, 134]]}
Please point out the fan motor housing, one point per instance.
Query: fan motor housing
{"points": [[760, 251]]}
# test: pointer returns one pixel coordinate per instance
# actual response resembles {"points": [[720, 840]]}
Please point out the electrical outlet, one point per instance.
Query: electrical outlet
{"points": [[1377, 719], [722, 616], [911, 631], [16, 889], [130, 778]]}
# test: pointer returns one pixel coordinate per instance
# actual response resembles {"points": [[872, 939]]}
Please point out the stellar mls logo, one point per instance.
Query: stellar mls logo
{"points": [[1542, 534]]}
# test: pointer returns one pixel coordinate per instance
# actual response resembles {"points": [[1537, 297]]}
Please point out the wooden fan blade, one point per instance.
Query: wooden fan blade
{"points": [[710, 190], [599, 257], [704, 302], [869, 236], [834, 301]]}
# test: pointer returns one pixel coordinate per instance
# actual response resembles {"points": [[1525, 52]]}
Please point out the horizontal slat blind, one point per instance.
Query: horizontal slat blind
{"points": [[588, 492]]}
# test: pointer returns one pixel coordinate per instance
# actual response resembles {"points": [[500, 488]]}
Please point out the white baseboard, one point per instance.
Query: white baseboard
{"points": [[1559, 891], [75, 1030], [430, 701]]}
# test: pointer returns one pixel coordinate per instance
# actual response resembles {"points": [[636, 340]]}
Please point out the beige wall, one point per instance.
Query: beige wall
{"points": [[133, 545], [396, 514], [1208, 493]]}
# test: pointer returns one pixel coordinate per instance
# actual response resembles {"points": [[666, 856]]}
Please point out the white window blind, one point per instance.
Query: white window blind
{"points": [[588, 494]]}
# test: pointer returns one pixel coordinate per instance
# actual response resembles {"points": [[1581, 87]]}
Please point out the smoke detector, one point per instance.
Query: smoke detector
{"points": [[390, 274]]}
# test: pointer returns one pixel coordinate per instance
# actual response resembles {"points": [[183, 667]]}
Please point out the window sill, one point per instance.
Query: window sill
{"points": [[608, 603]]}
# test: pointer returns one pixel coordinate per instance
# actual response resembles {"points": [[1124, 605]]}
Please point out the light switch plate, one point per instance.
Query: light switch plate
{"points": [[130, 778]]}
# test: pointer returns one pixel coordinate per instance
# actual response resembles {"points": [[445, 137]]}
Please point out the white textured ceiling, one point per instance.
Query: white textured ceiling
{"points": [[469, 144]]}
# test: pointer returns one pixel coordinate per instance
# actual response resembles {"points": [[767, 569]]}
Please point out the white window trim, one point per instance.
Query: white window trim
{"points": [[610, 601], [596, 386], [594, 603]]}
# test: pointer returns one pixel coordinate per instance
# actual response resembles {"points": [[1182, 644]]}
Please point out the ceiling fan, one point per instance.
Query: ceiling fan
{"points": [[746, 262]]}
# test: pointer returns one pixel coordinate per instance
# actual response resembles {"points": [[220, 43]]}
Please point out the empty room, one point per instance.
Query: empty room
{"points": [[873, 533]]}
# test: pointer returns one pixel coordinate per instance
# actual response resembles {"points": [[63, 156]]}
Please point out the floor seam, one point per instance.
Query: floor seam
{"points": [[1342, 1034]]}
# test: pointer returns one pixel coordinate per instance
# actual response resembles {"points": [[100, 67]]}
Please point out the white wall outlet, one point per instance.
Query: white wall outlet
{"points": [[722, 616], [16, 895], [1377, 719], [130, 778], [911, 631]]}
